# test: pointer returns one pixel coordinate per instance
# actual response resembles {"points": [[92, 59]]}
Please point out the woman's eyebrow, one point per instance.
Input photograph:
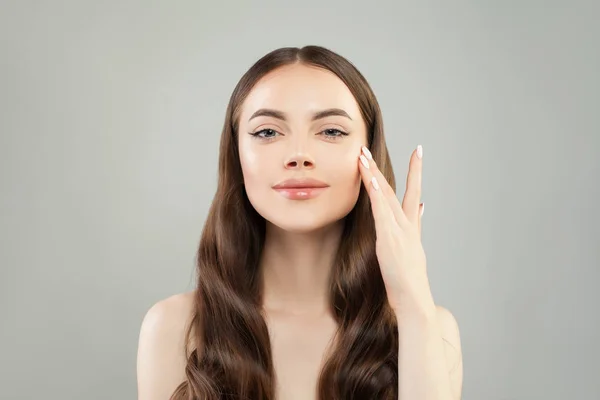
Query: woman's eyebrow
{"points": [[268, 112]]}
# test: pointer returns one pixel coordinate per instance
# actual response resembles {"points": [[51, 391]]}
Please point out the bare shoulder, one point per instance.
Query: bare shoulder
{"points": [[161, 357], [448, 322], [450, 332], [452, 345]]}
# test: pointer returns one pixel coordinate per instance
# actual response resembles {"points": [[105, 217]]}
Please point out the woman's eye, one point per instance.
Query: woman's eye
{"points": [[265, 134], [333, 133]]}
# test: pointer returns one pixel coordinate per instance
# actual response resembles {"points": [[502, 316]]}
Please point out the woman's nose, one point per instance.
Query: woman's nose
{"points": [[300, 161]]}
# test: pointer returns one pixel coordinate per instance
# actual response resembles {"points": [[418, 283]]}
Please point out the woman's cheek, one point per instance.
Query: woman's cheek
{"points": [[342, 167]]}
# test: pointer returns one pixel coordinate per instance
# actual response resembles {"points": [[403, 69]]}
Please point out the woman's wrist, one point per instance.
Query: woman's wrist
{"points": [[413, 309]]}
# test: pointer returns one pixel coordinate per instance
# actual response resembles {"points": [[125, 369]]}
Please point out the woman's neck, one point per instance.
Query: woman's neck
{"points": [[296, 269]]}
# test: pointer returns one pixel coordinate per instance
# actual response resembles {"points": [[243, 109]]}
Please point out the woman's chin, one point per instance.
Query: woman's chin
{"points": [[295, 225]]}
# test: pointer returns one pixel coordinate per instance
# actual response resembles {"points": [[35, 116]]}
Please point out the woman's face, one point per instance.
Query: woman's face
{"points": [[300, 136]]}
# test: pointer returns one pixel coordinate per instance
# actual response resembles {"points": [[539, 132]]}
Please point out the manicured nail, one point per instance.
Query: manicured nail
{"points": [[375, 183], [420, 151], [367, 153], [422, 208], [364, 161]]}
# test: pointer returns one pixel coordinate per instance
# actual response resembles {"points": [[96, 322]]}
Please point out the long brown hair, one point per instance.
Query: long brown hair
{"points": [[229, 354]]}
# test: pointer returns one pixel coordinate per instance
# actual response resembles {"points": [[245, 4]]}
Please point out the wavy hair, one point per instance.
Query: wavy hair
{"points": [[228, 345]]}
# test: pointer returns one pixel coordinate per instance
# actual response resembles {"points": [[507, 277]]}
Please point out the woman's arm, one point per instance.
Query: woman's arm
{"points": [[161, 358], [427, 370], [429, 355]]}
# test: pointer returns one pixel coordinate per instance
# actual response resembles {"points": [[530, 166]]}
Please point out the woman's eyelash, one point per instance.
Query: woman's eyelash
{"points": [[341, 133], [258, 134]]}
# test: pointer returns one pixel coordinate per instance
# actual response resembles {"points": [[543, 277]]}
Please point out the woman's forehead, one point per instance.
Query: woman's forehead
{"points": [[299, 90]]}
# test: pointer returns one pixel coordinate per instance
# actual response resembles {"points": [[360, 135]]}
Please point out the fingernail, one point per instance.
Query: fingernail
{"points": [[364, 161], [422, 208], [420, 151], [367, 153], [375, 183]]}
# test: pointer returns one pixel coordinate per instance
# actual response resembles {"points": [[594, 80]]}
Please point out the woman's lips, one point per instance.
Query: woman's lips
{"points": [[300, 193], [300, 188]]}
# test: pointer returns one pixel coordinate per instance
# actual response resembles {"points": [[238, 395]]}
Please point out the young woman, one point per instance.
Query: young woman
{"points": [[312, 278]]}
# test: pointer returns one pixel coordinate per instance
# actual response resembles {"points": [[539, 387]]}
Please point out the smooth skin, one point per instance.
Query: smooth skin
{"points": [[302, 237]]}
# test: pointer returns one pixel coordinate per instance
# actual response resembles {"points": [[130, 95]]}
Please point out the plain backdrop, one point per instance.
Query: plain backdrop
{"points": [[110, 117]]}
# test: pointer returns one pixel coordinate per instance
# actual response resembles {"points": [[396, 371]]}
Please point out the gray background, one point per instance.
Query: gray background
{"points": [[110, 119]]}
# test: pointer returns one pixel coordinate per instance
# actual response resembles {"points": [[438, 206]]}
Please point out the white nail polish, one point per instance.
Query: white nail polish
{"points": [[375, 183], [422, 209], [420, 151], [367, 153], [364, 161]]}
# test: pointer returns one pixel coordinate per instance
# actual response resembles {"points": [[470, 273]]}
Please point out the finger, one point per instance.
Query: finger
{"points": [[382, 213], [412, 195], [387, 190], [421, 209]]}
